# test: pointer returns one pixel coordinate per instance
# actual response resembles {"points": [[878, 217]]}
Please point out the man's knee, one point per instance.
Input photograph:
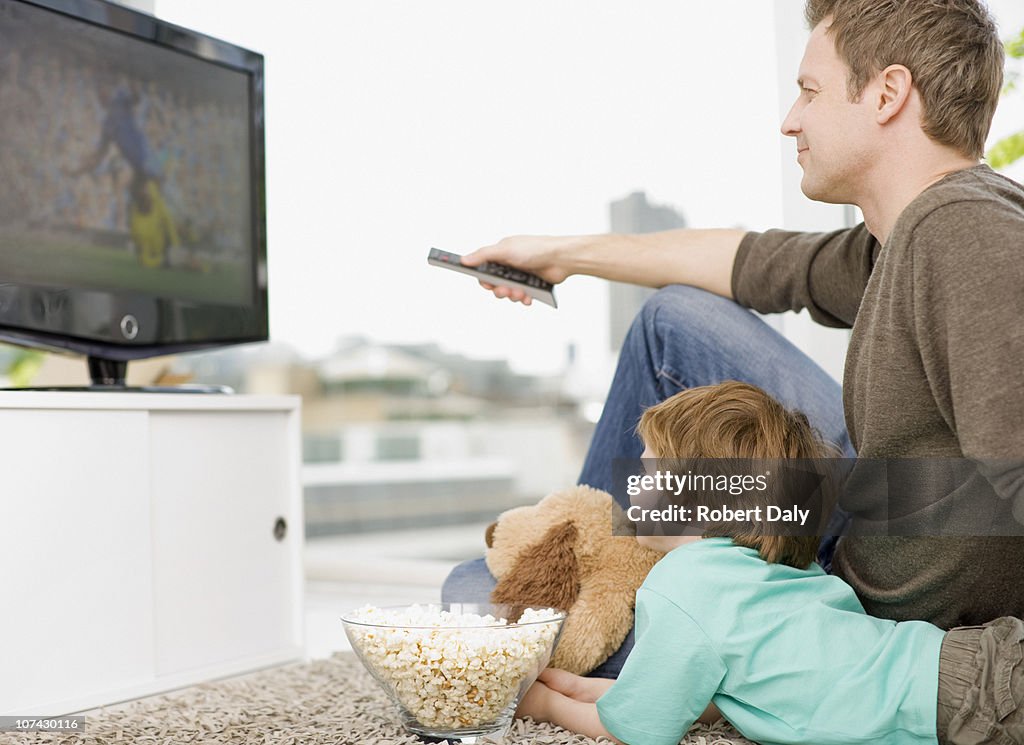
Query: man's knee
{"points": [[689, 310], [704, 337], [681, 303], [468, 582]]}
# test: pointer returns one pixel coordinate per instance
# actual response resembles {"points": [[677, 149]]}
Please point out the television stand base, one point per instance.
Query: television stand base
{"points": [[108, 376], [188, 388]]}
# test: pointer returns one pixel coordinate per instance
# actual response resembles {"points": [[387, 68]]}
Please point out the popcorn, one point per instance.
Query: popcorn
{"points": [[452, 670]]}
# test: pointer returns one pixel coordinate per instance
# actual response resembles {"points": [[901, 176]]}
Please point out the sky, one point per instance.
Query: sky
{"points": [[396, 126]]}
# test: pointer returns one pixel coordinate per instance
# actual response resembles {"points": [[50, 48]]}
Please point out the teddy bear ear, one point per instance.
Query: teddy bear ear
{"points": [[545, 573], [489, 534]]}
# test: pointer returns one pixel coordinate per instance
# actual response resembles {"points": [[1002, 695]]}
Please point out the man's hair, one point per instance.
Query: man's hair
{"points": [[951, 48], [736, 420]]}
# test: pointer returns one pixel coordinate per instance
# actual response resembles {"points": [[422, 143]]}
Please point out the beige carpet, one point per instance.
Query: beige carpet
{"points": [[325, 701]]}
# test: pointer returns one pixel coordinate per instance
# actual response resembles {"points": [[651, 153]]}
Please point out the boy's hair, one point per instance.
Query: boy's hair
{"points": [[951, 48], [736, 420]]}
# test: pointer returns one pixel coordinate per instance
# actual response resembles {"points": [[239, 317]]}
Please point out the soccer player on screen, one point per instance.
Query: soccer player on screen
{"points": [[150, 222]]}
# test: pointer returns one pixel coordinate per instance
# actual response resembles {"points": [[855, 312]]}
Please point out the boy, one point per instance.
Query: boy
{"points": [[749, 627]]}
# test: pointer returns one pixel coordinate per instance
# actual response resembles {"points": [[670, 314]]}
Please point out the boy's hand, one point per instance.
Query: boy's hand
{"points": [[536, 703], [575, 687], [545, 704]]}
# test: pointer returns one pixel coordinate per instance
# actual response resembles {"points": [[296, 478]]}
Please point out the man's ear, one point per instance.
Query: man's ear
{"points": [[896, 85]]}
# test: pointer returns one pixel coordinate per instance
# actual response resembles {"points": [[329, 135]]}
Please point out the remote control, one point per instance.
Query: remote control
{"points": [[497, 274]]}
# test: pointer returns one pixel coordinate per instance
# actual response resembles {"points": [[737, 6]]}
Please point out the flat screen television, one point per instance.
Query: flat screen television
{"points": [[132, 208]]}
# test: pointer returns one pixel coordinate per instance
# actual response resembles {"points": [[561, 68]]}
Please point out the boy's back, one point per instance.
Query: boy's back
{"points": [[787, 655]]}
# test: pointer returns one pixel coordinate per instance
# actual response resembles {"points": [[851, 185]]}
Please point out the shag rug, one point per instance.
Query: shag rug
{"points": [[324, 701]]}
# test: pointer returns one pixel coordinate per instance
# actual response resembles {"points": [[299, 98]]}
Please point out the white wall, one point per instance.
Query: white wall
{"points": [[146, 6], [393, 126], [825, 346]]}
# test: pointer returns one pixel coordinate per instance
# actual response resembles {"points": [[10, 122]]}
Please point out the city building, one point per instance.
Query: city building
{"points": [[634, 214]]}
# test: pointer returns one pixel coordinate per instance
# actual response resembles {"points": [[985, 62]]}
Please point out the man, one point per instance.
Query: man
{"points": [[895, 102]]}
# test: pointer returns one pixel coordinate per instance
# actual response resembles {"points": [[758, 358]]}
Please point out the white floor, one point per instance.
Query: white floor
{"points": [[394, 568]]}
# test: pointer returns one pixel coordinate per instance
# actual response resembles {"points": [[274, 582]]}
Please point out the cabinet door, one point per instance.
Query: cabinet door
{"points": [[225, 588], [76, 615]]}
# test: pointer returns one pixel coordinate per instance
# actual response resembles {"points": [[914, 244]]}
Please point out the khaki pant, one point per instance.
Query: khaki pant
{"points": [[981, 684]]}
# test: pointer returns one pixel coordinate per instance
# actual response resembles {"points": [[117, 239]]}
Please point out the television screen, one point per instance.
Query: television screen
{"points": [[132, 154]]}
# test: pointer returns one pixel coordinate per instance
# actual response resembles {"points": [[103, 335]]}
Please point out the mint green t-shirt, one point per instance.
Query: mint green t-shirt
{"points": [[788, 656]]}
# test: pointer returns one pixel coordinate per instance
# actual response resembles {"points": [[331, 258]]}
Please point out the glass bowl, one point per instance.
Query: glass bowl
{"points": [[455, 670]]}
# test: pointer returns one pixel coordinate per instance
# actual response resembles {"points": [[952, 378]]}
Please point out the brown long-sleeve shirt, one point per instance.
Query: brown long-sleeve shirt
{"points": [[935, 368]]}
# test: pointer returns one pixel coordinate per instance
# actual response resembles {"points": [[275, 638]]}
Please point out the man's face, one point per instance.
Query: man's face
{"points": [[834, 136]]}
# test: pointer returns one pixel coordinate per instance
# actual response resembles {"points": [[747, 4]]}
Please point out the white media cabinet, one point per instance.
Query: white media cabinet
{"points": [[139, 551]]}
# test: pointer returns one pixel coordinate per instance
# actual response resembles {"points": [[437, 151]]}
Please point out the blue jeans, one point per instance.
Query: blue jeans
{"points": [[684, 338]]}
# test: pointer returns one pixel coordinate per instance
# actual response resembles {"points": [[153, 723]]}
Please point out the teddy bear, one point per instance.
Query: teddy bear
{"points": [[574, 550]]}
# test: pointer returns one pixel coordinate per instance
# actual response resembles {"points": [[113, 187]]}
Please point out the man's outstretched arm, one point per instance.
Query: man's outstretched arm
{"points": [[701, 258]]}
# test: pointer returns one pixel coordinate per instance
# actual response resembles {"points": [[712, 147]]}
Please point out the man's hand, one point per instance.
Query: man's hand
{"points": [[540, 255], [575, 687]]}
